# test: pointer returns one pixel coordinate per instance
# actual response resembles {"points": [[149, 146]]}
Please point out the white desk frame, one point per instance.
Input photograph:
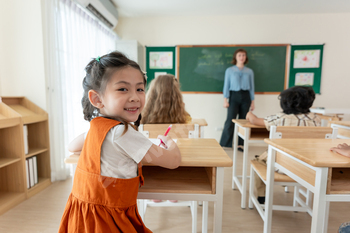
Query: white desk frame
{"points": [[321, 200], [242, 187]]}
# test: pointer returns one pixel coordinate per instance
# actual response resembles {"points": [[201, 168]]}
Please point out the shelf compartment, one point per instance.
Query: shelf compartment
{"points": [[10, 199], [43, 164], [40, 186], [38, 135], [179, 180], [11, 142], [12, 177], [29, 112], [35, 151]]}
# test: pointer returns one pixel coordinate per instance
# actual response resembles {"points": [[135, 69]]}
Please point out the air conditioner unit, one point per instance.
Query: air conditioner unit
{"points": [[104, 10]]}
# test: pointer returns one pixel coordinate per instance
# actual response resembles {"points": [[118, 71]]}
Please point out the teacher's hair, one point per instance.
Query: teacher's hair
{"points": [[297, 99], [234, 61]]}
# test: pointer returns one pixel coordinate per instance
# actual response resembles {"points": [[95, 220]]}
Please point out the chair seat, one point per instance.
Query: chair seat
{"points": [[262, 171]]}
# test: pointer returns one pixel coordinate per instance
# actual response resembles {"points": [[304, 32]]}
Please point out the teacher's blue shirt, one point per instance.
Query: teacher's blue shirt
{"points": [[236, 79]]}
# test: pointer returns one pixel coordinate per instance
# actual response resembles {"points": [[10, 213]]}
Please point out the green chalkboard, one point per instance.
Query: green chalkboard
{"points": [[202, 68]]}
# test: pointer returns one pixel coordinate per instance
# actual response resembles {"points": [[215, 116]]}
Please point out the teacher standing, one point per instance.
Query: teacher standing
{"points": [[238, 95]]}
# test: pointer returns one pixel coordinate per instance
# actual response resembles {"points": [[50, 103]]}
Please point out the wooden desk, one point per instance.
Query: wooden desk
{"points": [[328, 111], [343, 128], [314, 166], [330, 114], [250, 134], [200, 176]]}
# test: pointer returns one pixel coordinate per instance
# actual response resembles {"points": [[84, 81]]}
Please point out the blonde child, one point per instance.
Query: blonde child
{"points": [[164, 102], [109, 171], [295, 103]]}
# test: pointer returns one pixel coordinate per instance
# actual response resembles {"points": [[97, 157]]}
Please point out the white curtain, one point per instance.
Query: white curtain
{"points": [[72, 38]]}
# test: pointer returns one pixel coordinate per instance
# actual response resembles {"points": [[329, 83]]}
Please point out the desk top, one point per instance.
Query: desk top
{"points": [[246, 123], [344, 123], [200, 122], [195, 152], [326, 111], [202, 152], [313, 151]]}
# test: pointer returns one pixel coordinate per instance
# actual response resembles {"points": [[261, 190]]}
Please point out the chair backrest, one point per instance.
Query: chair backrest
{"points": [[343, 131], [177, 130], [302, 132]]}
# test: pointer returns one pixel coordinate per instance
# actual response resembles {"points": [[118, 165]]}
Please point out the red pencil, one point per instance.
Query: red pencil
{"points": [[166, 133]]}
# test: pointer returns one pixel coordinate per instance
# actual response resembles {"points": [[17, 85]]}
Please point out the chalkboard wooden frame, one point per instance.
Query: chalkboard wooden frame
{"points": [[285, 63]]}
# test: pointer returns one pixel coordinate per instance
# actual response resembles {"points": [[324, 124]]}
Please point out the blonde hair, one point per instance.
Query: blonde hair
{"points": [[164, 102]]}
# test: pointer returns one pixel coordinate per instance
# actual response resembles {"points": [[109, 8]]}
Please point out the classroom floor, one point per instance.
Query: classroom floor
{"points": [[42, 213]]}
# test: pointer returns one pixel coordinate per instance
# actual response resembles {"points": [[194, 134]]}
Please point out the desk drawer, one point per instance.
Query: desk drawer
{"points": [[181, 180], [338, 181], [255, 133]]}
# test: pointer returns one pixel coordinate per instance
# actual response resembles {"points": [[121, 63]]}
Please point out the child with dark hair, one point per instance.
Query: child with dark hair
{"points": [[295, 103], [109, 170]]}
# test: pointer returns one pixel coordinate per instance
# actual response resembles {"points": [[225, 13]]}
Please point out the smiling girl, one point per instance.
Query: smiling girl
{"points": [[109, 171]]}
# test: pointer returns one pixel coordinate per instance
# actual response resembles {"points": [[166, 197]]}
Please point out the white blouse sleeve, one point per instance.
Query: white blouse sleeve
{"points": [[134, 143]]}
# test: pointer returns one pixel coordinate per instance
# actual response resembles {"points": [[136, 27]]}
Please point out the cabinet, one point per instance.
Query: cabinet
{"points": [[14, 113], [133, 50]]}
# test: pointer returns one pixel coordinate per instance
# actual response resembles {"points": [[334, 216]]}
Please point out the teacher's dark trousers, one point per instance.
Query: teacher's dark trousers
{"points": [[239, 105]]}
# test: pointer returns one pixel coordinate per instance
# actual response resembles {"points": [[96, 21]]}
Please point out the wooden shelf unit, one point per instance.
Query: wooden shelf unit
{"points": [[15, 112]]}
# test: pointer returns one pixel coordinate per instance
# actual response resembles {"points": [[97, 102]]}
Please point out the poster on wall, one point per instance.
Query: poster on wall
{"points": [[305, 66], [302, 79], [307, 58], [161, 60]]}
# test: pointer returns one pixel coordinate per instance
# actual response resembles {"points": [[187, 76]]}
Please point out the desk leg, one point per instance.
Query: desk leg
{"points": [[269, 189], [194, 206], [205, 217], [320, 203], [234, 165], [244, 168], [218, 204]]}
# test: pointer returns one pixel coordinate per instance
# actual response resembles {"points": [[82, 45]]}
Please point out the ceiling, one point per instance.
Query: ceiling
{"points": [[152, 8]]}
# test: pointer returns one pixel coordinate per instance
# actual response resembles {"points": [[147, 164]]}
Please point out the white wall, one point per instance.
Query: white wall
{"points": [[21, 50], [331, 29]]}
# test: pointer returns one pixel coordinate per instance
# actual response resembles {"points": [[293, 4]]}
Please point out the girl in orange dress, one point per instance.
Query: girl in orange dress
{"points": [[109, 171]]}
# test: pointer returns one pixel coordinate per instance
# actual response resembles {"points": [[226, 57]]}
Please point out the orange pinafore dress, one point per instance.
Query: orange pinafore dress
{"points": [[99, 203]]}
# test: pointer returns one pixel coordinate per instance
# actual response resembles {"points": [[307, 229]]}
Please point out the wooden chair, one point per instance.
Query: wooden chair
{"points": [[281, 179], [177, 131]]}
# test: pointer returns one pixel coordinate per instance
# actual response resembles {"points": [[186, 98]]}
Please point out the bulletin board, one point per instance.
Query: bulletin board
{"points": [[306, 66], [159, 60]]}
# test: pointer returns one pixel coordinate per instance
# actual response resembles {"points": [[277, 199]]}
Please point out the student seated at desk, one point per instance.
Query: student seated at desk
{"points": [[164, 102], [109, 171], [295, 103]]}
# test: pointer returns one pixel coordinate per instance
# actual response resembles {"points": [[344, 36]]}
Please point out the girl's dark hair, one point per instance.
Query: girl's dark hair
{"points": [[98, 73], [297, 100], [234, 60]]}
